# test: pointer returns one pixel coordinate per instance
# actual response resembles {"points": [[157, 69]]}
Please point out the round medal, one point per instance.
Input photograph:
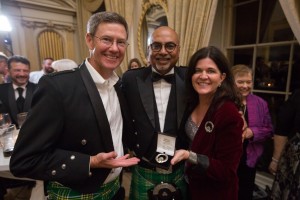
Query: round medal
{"points": [[161, 158]]}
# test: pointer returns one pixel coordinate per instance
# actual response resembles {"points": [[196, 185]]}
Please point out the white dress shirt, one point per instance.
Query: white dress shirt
{"points": [[162, 90], [16, 91], [35, 76], [113, 112]]}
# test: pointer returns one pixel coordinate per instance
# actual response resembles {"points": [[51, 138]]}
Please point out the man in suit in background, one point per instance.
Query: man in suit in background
{"points": [[15, 97], [72, 138], [35, 76], [156, 104]]}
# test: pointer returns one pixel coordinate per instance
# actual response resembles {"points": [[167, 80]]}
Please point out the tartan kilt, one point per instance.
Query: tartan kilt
{"points": [[144, 179], [57, 191]]}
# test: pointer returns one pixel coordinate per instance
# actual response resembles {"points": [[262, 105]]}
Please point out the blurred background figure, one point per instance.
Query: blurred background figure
{"points": [[63, 64], [46, 69], [134, 63], [3, 68], [15, 97], [258, 129], [285, 160]]}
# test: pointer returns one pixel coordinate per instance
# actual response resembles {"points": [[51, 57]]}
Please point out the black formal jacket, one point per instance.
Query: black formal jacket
{"points": [[138, 89], [8, 102], [66, 125]]}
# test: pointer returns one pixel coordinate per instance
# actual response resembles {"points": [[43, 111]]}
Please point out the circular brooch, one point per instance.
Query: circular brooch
{"points": [[161, 158], [209, 127]]}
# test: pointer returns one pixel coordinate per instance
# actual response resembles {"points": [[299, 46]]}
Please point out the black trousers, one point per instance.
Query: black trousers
{"points": [[246, 182], [6, 183]]}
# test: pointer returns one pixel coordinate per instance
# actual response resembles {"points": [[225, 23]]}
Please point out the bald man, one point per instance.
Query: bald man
{"points": [[155, 96]]}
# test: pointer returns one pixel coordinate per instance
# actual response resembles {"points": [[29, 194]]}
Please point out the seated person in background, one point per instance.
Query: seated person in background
{"points": [[134, 63], [258, 129], [63, 64], [285, 161], [15, 97]]}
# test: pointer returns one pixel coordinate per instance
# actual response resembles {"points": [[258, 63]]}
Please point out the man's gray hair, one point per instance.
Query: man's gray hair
{"points": [[105, 17]]}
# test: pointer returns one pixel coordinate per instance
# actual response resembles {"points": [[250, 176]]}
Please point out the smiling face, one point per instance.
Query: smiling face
{"points": [[244, 83], [19, 73], [163, 61], [47, 66], [207, 77], [106, 58]]}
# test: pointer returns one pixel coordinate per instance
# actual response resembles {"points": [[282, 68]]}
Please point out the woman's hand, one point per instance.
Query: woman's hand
{"points": [[247, 133], [180, 155], [110, 160], [273, 165]]}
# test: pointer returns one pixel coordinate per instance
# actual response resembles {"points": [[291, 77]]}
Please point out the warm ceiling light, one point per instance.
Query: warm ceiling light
{"points": [[5, 25]]}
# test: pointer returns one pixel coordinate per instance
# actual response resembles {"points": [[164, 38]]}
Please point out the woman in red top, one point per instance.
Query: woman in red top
{"points": [[213, 127]]}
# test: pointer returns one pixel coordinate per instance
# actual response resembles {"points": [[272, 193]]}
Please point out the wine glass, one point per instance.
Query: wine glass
{"points": [[5, 119], [21, 117]]}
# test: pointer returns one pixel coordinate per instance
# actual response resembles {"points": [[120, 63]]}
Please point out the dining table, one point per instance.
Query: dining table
{"points": [[4, 167], [37, 192]]}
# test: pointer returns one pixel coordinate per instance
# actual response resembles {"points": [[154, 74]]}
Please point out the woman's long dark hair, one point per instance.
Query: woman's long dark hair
{"points": [[227, 90]]}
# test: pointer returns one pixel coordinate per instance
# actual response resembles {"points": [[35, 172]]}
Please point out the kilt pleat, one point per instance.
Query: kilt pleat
{"points": [[144, 179], [57, 191]]}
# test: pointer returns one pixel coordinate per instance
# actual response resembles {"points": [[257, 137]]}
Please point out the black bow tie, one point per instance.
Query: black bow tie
{"points": [[156, 77]]}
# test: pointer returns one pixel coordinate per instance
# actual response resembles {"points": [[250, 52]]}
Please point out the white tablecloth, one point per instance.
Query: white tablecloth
{"points": [[37, 192]]}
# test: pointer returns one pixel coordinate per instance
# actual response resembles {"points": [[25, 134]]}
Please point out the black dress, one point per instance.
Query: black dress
{"points": [[287, 181]]}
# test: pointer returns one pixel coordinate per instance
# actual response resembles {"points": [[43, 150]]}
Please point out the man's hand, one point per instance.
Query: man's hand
{"points": [[110, 160]]}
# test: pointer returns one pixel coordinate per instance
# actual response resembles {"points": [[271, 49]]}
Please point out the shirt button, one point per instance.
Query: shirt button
{"points": [[72, 157], [83, 142], [135, 133], [90, 174], [63, 166], [53, 172], [138, 146]]}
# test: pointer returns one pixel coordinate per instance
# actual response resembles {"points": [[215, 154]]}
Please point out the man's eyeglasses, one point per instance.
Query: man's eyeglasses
{"points": [[122, 44], [169, 46]]}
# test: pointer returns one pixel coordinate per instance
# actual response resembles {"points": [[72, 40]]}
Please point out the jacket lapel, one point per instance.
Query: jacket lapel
{"points": [[145, 87], [180, 88], [98, 107], [12, 103], [29, 93]]}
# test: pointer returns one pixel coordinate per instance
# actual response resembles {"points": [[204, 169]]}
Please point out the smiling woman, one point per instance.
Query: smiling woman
{"points": [[212, 126], [258, 129]]}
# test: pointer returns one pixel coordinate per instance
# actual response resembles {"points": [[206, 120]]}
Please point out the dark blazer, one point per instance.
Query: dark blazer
{"points": [[138, 89], [67, 124], [8, 100]]}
